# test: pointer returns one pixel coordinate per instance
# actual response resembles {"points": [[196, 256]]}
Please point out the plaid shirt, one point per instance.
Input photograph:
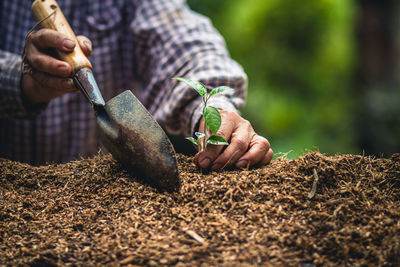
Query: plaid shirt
{"points": [[138, 45]]}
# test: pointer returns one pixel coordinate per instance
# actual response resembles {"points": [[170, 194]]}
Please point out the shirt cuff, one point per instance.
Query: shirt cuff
{"points": [[13, 103]]}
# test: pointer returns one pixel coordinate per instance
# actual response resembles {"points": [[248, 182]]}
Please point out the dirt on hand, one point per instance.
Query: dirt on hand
{"points": [[312, 211]]}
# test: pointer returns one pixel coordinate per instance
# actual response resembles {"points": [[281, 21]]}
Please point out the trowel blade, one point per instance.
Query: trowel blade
{"points": [[137, 141]]}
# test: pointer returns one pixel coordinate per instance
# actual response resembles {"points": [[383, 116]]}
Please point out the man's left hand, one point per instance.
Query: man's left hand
{"points": [[245, 148]]}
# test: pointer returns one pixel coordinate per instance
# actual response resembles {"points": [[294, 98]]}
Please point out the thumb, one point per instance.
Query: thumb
{"points": [[85, 44]]}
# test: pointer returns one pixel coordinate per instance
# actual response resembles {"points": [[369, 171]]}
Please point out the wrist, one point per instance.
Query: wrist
{"points": [[28, 98], [28, 94]]}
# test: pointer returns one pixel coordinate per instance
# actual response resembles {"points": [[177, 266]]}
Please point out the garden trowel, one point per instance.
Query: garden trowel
{"points": [[126, 128]]}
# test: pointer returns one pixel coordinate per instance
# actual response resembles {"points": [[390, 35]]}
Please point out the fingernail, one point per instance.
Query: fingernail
{"points": [[205, 162], [88, 46], [68, 83], [68, 44], [242, 163], [216, 166]]}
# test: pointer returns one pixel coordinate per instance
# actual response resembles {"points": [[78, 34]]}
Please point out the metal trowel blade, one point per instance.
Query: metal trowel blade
{"points": [[138, 142]]}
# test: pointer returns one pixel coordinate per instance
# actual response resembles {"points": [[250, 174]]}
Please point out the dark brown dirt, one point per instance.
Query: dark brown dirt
{"points": [[90, 212]]}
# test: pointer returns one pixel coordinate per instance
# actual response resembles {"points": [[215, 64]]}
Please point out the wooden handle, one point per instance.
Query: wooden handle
{"points": [[42, 9]]}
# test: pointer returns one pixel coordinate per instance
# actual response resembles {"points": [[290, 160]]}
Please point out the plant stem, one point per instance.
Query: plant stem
{"points": [[205, 135], [205, 124]]}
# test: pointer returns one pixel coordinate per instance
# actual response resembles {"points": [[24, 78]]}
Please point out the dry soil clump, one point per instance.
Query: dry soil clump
{"points": [[316, 210]]}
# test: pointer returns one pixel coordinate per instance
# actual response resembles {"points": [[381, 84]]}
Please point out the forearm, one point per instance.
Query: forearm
{"points": [[12, 102]]}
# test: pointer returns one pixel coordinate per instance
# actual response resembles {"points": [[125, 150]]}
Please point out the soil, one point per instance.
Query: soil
{"points": [[312, 211]]}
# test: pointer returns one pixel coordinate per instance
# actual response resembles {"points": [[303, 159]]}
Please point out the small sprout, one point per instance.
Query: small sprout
{"points": [[211, 115]]}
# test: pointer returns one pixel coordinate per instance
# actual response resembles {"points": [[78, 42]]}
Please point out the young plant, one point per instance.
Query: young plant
{"points": [[212, 117]]}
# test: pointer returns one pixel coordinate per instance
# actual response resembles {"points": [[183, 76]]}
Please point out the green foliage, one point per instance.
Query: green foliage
{"points": [[212, 118], [220, 90], [198, 86], [299, 59], [217, 140], [194, 141]]}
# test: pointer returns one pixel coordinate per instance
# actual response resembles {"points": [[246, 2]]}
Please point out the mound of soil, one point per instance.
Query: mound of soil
{"points": [[316, 210]]}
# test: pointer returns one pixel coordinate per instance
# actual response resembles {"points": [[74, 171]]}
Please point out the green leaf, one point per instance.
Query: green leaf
{"points": [[198, 86], [217, 140], [199, 135], [220, 90], [194, 141], [212, 118]]}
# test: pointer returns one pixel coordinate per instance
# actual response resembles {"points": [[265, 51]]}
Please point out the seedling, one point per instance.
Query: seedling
{"points": [[211, 115]]}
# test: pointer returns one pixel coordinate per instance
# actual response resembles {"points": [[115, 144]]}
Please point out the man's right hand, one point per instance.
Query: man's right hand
{"points": [[50, 77]]}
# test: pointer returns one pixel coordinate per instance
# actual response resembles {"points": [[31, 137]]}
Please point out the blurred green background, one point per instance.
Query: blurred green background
{"points": [[308, 88]]}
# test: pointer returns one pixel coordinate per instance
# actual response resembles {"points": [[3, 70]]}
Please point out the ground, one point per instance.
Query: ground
{"points": [[312, 211]]}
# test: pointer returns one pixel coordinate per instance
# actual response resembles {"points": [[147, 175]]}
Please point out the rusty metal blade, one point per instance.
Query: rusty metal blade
{"points": [[136, 140]]}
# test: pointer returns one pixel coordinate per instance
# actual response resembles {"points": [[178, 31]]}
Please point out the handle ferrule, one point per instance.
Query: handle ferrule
{"points": [[84, 81]]}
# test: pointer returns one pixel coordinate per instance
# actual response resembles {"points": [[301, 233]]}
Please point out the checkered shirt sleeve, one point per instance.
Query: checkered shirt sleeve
{"points": [[12, 102]]}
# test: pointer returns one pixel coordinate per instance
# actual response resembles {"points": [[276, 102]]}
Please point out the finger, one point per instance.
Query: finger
{"points": [[39, 92], [267, 159], [45, 63], [56, 86], [211, 152], [46, 38], [85, 44], [239, 144], [259, 147]]}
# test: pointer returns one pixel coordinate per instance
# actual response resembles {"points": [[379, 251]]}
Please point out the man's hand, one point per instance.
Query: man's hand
{"points": [[50, 77], [245, 148]]}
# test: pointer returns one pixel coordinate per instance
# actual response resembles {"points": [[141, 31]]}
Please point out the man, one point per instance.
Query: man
{"points": [[137, 44]]}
